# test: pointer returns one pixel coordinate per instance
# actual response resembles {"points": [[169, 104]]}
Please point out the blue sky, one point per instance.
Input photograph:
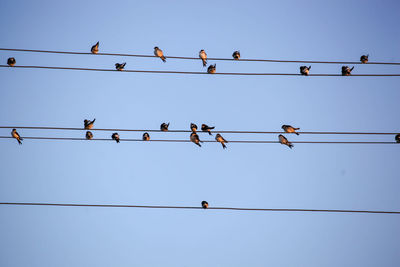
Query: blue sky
{"points": [[244, 175]]}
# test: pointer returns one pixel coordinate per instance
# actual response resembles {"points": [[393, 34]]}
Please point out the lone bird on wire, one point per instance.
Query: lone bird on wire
{"points": [[120, 66], [221, 140], [195, 139], [16, 135], [204, 204], [164, 127], [89, 135], [304, 70], [284, 141], [146, 137], [346, 71], [203, 56], [159, 53], [88, 124], [397, 138], [364, 59], [290, 129], [115, 136], [236, 55], [193, 127], [11, 61], [206, 128], [95, 48], [212, 69]]}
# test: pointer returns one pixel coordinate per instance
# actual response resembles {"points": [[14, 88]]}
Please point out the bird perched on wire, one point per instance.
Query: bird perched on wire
{"points": [[203, 56], [11, 61], [284, 141], [195, 139], [95, 48], [115, 136], [221, 140], [364, 59], [236, 55], [346, 71], [206, 128], [290, 129], [397, 138], [89, 135], [16, 135], [146, 137], [304, 70], [164, 126], [120, 66], [88, 124], [159, 53], [212, 69], [204, 204], [193, 127]]}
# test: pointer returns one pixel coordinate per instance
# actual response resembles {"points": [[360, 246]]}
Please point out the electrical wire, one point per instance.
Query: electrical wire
{"points": [[197, 58], [200, 73]]}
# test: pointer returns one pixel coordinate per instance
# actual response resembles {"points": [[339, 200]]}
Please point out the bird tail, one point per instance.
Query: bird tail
{"points": [[209, 132], [93, 120], [198, 144], [204, 62], [223, 145], [19, 141], [352, 68], [290, 145], [297, 133], [117, 140], [163, 59]]}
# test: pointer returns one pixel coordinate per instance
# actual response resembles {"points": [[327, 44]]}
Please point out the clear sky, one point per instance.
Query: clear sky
{"points": [[244, 175]]}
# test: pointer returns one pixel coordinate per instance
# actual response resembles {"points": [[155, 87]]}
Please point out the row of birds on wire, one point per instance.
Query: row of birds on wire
{"points": [[212, 69]]}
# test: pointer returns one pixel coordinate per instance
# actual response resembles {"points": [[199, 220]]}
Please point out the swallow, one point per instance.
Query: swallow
{"points": [[193, 127], [195, 139], [290, 129], [304, 70], [88, 124], [346, 71], [203, 56], [95, 48], [159, 53], [236, 55], [364, 59], [11, 61], [115, 136], [16, 135], [204, 204], [164, 127], [120, 66], [284, 141], [146, 137], [89, 135], [397, 138], [212, 69], [220, 139], [206, 128]]}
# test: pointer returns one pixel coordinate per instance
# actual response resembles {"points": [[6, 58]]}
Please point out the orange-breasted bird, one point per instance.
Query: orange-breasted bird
{"points": [[88, 124], [284, 141], [206, 128], [159, 53], [195, 139], [290, 129], [203, 56], [16, 135], [95, 48], [115, 136], [220, 139]]}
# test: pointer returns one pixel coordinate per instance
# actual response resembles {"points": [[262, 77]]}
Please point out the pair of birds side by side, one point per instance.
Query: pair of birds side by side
{"points": [[346, 70]]}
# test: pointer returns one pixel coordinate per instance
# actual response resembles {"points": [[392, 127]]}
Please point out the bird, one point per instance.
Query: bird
{"points": [[89, 135], [164, 127], [236, 55], [159, 53], [220, 139], [115, 136], [88, 124], [193, 127], [204, 204], [346, 71], [16, 135], [203, 56], [304, 70], [195, 139], [120, 66], [95, 48], [397, 138], [146, 137], [206, 128], [290, 129], [212, 69], [284, 141], [364, 59], [11, 61]]}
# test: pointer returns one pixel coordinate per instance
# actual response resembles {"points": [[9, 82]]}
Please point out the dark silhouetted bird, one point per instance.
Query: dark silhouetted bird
{"points": [[204, 204], [195, 139], [88, 124], [164, 126], [11, 61], [95, 48], [212, 69], [159, 53], [220, 139], [16, 135], [236, 55], [304, 70], [284, 141], [290, 129], [115, 136], [203, 56], [89, 135], [397, 138], [206, 128], [146, 137], [346, 71], [193, 127], [120, 66], [364, 59]]}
